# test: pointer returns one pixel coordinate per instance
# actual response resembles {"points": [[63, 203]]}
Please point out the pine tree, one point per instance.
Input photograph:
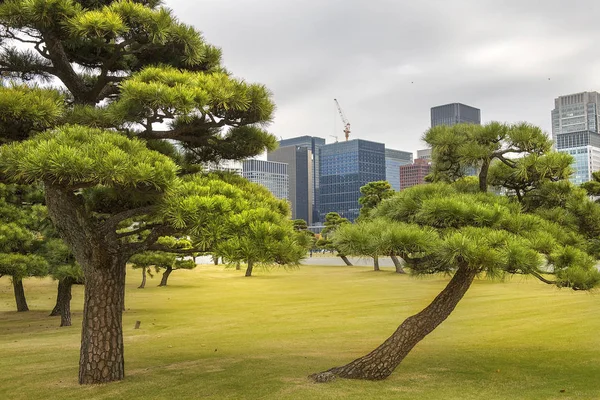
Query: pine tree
{"points": [[148, 102], [451, 228]]}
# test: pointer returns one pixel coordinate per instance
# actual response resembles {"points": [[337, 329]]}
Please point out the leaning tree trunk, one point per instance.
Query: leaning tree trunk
{"points": [[143, 284], [165, 276], [20, 295], [346, 260], [101, 358], [249, 268], [397, 264], [382, 361], [376, 263]]}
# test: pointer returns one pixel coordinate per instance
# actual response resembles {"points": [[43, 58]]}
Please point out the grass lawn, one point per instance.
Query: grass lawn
{"points": [[214, 334]]}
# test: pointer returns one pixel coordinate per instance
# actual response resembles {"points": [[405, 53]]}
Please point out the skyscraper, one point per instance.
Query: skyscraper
{"points": [[393, 160], [575, 124], [455, 113], [300, 170], [314, 144], [272, 175], [344, 168]]}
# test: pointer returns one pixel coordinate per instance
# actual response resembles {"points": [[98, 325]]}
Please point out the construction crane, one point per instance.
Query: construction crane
{"points": [[344, 120]]}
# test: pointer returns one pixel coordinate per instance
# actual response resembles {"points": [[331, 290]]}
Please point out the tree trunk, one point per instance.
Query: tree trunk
{"points": [[56, 310], [20, 295], [483, 175], [215, 260], [238, 266], [143, 284], [397, 264], [65, 297], [346, 260], [376, 263], [382, 361], [101, 358], [249, 269], [165, 276]]}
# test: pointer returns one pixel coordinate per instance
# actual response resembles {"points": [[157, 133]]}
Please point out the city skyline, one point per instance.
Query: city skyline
{"points": [[388, 63]]}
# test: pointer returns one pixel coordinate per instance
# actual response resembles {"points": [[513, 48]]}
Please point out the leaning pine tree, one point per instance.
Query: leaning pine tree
{"points": [[148, 102], [456, 229]]}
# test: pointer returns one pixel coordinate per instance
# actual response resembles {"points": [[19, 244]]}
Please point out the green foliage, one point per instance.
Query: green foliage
{"points": [[263, 237], [436, 228], [76, 155], [459, 147], [372, 194]]}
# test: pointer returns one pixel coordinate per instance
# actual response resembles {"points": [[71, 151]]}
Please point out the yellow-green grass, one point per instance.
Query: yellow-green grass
{"points": [[214, 334]]}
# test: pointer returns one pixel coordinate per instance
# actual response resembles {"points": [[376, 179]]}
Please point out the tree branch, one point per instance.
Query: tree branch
{"points": [[166, 249], [138, 230], [111, 223], [541, 278]]}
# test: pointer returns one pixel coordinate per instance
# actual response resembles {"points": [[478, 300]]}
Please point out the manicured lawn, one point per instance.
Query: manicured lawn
{"points": [[215, 334]]}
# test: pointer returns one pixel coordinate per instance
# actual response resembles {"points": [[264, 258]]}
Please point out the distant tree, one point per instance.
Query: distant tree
{"points": [[372, 194], [362, 239], [333, 221], [263, 238], [458, 147], [66, 271], [21, 238], [167, 262]]}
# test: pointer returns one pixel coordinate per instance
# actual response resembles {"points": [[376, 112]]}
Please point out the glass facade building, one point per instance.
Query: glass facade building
{"points": [[393, 160], [272, 175], [344, 168], [300, 171], [575, 124], [314, 144], [455, 113]]}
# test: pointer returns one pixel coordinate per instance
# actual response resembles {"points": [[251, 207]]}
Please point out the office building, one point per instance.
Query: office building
{"points": [[393, 160], [575, 124], [455, 113], [344, 168], [232, 166], [272, 175], [414, 174], [424, 154], [300, 171], [314, 144]]}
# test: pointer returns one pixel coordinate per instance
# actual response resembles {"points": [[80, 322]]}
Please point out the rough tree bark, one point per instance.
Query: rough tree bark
{"points": [[165, 276], [376, 263], [20, 295], [397, 264], [101, 357], [98, 253], [346, 260], [382, 361], [249, 268], [143, 284]]}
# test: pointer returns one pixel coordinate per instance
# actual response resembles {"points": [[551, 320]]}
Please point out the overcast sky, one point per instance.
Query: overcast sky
{"points": [[389, 61]]}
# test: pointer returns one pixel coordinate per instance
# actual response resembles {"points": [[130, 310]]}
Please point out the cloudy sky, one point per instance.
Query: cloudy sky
{"points": [[389, 61]]}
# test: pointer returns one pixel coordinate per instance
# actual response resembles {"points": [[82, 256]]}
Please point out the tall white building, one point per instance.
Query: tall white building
{"points": [[575, 123], [270, 174]]}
